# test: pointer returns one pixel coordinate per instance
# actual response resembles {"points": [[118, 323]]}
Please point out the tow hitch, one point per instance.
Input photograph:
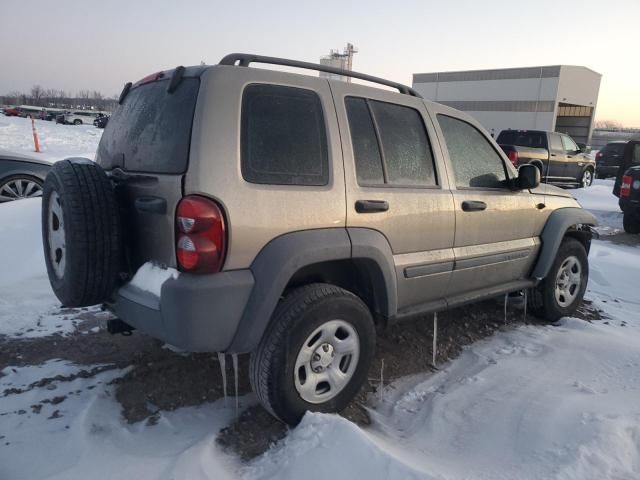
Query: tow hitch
{"points": [[118, 326]]}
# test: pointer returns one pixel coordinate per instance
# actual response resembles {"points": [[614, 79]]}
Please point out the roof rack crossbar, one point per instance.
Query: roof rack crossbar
{"points": [[244, 59]]}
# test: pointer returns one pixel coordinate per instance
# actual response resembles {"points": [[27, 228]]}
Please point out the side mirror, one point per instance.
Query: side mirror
{"points": [[528, 177]]}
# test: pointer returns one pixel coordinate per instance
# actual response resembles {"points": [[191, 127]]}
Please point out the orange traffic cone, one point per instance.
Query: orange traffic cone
{"points": [[36, 142]]}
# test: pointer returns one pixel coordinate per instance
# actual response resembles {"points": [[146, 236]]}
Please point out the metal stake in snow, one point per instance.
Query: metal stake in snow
{"points": [[526, 291], [506, 303], [381, 380], [36, 142], [234, 357], [223, 370], [435, 338]]}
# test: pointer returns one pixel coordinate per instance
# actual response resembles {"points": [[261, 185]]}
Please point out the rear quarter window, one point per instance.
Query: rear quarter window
{"points": [[283, 138]]}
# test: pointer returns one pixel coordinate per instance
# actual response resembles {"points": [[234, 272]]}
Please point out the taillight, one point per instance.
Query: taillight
{"points": [[200, 235], [513, 157], [625, 186], [150, 78], [599, 154]]}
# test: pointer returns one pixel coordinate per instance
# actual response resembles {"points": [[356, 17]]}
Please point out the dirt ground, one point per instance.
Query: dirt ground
{"points": [[161, 379]]}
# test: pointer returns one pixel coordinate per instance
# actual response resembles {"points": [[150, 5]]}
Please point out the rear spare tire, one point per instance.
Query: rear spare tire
{"points": [[80, 232]]}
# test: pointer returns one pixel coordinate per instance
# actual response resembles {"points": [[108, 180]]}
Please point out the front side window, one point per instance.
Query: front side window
{"points": [[475, 163], [569, 144], [283, 138], [390, 144]]}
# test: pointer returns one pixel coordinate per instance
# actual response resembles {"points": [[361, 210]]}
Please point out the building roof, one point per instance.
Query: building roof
{"points": [[548, 71]]}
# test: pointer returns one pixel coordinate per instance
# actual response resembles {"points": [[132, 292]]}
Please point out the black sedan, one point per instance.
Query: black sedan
{"points": [[21, 176], [101, 121]]}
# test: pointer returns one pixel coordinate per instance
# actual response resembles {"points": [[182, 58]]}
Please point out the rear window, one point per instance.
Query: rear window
{"points": [[523, 139], [151, 130], [617, 148]]}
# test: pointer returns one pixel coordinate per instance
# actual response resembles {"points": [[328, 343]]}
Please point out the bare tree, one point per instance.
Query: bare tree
{"points": [[36, 94], [611, 124]]}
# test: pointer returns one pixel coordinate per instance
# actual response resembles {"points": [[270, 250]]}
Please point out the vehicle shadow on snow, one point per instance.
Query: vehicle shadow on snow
{"points": [[160, 379]]}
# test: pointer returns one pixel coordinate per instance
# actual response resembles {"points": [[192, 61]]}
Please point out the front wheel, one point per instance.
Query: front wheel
{"points": [[561, 292], [77, 122], [316, 353], [630, 223]]}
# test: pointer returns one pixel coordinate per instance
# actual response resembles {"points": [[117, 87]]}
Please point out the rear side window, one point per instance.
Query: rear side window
{"points": [[475, 163], [283, 139], [390, 144], [151, 130], [556, 143]]}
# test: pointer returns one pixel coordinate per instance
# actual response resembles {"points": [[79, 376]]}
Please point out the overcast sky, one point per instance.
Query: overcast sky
{"points": [[85, 44]]}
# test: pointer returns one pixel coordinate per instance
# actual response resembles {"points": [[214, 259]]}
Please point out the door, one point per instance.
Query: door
{"points": [[557, 158], [393, 166], [495, 242], [574, 158]]}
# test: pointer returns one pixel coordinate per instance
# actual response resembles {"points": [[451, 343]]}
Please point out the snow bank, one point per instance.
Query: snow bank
{"points": [[56, 141], [27, 303], [150, 277], [83, 436], [600, 200]]}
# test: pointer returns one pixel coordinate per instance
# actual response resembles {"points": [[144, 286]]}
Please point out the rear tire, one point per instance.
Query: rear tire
{"points": [[77, 122], [561, 292], [630, 223], [80, 233], [303, 345], [586, 179]]}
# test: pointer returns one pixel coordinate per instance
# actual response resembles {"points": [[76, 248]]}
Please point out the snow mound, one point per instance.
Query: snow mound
{"points": [[329, 446], [150, 277]]}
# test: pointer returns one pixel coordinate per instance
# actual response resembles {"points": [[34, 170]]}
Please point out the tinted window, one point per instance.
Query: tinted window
{"points": [[365, 144], [151, 130], [569, 145], [523, 139], [635, 155], [393, 149], [475, 163], [617, 148], [283, 136], [556, 143], [406, 151]]}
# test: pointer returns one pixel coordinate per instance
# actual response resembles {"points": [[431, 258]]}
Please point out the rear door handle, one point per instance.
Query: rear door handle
{"points": [[473, 206], [371, 206]]}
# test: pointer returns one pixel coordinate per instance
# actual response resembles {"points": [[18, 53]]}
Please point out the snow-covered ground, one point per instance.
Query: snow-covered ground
{"points": [[57, 141], [534, 402]]}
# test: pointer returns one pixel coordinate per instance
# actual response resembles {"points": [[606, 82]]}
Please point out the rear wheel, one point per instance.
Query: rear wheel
{"points": [[587, 178], [561, 292], [80, 233], [631, 223], [19, 186], [77, 122], [315, 354]]}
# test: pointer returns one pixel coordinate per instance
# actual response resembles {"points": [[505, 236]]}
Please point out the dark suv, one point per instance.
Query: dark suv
{"points": [[627, 186], [609, 159]]}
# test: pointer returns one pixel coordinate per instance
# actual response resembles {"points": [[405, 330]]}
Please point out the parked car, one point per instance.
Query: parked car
{"points": [[296, 214], [609, 159], [11, 112], [78, 117], [627, 186], [557, 156], [101, 121], [21, 176]]}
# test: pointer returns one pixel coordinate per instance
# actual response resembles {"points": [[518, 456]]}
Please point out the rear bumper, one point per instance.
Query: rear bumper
{"points": [[196, 313], [608, 170]]}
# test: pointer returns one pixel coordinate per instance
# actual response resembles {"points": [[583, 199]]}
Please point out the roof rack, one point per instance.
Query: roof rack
{"points": [[244, 59]]}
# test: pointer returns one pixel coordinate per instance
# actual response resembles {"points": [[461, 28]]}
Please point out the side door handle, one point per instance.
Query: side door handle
{"points": [[473, 206], [371, 206]]}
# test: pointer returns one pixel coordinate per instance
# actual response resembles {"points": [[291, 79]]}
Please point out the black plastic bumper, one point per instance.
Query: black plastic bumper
{"points": [[196, 313]]}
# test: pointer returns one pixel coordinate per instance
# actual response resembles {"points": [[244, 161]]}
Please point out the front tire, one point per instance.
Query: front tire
{"points": [[630, 223], [561, 292], [316, 353], [77, 122]]}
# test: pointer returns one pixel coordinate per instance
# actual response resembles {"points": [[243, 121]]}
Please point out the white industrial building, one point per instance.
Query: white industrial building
{"points": [[560, 98]]}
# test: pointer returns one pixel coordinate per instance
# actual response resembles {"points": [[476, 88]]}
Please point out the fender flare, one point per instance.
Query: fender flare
{"points": [[285, 255], [558, 223]]}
